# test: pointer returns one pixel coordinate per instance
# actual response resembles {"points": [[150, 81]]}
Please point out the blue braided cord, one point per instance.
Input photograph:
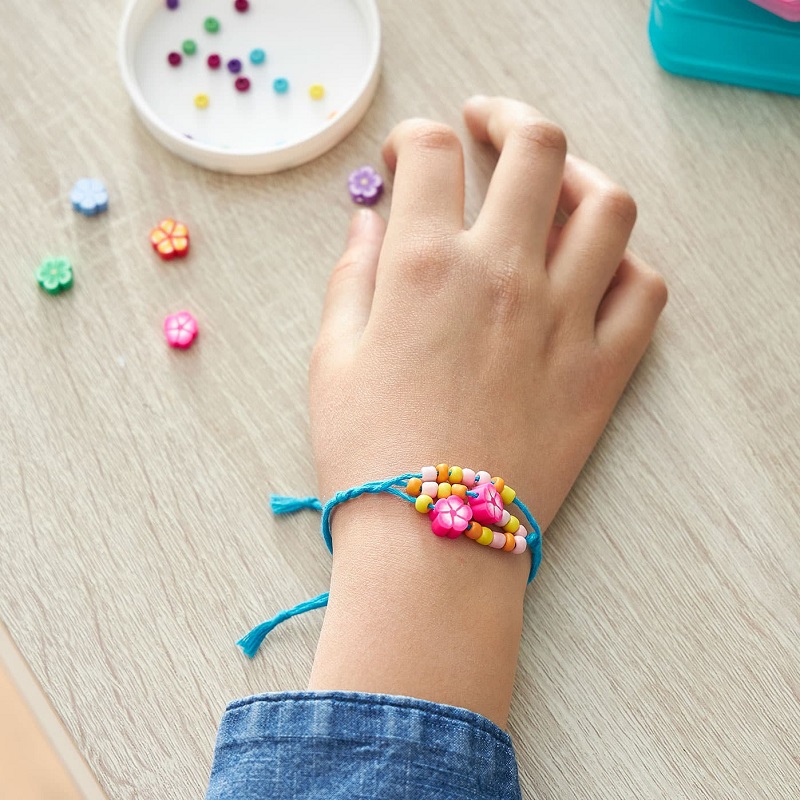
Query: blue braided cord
{"points": [[534, 539], [252, 641], [374, 487]]}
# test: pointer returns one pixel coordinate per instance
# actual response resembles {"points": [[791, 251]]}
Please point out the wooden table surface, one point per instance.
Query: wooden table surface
{"points": [[661, 653]]}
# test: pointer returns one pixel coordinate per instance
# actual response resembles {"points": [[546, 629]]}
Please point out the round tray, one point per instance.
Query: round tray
{"points": [[334, 44]]}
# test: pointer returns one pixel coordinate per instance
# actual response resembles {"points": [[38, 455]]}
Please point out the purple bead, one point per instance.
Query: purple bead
{"points": [[172, 4], [234, 66], [174, 59], [365, 186]]}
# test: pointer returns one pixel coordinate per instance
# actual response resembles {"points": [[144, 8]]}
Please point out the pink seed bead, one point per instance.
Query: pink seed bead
{"points": [[242, 84], [214, 61], [521, 531], [469, 478], [498, 542], [482, 477], [430, 488], [504, 519], [429, 474], [521, 545]]}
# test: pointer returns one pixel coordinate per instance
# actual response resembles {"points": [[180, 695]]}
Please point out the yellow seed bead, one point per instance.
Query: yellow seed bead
{"points": [[201, 100], [443, 471], [456, 474], [316, 91], [486, 537], [508, 495], [510, 543], [422, 503], [512, 526], [474, 531], [460, 490], [413, 487], [499, 484], [445, 490]]}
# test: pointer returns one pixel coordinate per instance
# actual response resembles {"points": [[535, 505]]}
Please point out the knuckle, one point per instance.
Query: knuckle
{"points": [[508, 290], [429, 135], [619, 204], [543, 134]]}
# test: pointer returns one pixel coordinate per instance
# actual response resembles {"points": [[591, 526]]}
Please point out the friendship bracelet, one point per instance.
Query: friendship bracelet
{"points": [[457, 501]]}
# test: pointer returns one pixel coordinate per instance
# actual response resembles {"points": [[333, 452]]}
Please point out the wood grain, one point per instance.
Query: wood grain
{"points": [[661, 651]]}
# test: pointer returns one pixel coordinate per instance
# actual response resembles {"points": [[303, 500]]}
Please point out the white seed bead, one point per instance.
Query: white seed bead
{"points": [[468, 478], [482, 477], [430, 488], [429, 474]]}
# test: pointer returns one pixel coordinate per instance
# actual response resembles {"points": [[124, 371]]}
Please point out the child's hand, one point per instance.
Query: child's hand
{"points": [[503, 347]]}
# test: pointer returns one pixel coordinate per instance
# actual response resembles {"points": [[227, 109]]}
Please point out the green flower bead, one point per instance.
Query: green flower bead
{"points": [[55, 275], [189, 47]]}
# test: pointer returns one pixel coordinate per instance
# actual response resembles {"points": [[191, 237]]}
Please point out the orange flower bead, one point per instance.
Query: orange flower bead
{"points": [[510, 543], [499, 484], [459, 490], [413, 487], [443, 472], [474, 531]]}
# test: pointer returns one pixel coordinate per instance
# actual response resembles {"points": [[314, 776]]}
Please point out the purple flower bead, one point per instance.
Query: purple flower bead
{"points": [[365, 185]]}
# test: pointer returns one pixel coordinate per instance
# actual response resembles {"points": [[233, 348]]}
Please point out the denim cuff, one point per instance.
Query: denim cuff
{"points": [[352, 745]]}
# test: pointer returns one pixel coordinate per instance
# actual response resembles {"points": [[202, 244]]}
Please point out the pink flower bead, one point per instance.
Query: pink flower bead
{"points": [[429, 474], [499, 541], [430, 488], [521, 545], [180, 329], [450, 517], [468, 478], [487, 505], [482, 477]]}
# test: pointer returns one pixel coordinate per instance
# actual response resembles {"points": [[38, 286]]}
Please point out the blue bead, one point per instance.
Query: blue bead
{"points": [[258, 56], [280, 85]]}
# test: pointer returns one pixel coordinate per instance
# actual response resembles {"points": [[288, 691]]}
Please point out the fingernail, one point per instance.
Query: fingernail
{"points": [[477, 99], [358, 224]]}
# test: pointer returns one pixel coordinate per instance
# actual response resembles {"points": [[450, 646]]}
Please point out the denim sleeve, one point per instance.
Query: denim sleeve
{"points": [[337, 745]]}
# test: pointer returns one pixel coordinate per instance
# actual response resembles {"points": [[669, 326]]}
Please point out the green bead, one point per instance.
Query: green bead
{"points": [[211, 24], [55, 275], [189, 47]]}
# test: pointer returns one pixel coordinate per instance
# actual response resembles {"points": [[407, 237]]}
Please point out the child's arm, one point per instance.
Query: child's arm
{"points": [[503, 347]]}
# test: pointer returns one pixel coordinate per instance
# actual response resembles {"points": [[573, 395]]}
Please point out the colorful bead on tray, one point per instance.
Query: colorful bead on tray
{"points": [[55, 275], [180, 329], [214, 61], [201, 100], [170, 239], [211, 24], [172, 4], [189, 47], [280, 85], [316, 91], [241, 6], [365, 185], [234, 66], [89, 196], [174, 59], [242, 84], [257, 56]]}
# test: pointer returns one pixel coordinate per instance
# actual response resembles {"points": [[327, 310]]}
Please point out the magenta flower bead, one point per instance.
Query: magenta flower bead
{"points": [[180, 329], [450, 517], [486, 505]]}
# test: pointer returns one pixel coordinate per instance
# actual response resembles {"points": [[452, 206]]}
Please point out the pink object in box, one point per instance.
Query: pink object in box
{"points": [[788, 9]]}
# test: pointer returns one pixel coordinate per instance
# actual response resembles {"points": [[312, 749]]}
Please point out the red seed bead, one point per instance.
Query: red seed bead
{"points": [[214, 61], [474, 531], [443, 472], [413, 487], [241, 6], [174, 59], [242, 84]]}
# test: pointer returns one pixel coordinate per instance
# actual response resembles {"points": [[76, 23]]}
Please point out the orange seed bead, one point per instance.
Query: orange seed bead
{"points": [[413, 487], [510, 543], [443, 472], [499, 484], [474, 531], [460, 490]]}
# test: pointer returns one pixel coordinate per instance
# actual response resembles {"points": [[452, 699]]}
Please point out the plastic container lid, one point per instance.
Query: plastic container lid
{"points": [[327, 52], [788, 9]]}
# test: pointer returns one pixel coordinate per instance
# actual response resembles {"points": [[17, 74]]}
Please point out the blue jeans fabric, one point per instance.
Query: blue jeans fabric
{"points": [[337, 745]]}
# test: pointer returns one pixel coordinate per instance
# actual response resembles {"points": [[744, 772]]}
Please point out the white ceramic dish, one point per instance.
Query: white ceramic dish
{"points": [[334, 43]]}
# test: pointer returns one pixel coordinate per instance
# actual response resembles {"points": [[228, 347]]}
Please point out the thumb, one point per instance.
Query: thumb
{"points": [[351, 286]]}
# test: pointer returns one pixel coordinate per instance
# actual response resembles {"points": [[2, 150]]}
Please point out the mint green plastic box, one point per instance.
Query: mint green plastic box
{"points": [[733, 41]]}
